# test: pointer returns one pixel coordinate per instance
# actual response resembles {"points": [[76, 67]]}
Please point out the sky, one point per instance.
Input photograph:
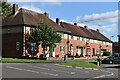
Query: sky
{"points": [[95, 15]]}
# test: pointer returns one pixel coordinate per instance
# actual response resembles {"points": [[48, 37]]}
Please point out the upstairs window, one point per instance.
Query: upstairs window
{"points": [[71, 36], [88, 40], [78, 38], [62, 35], [32, 29], [83, 39]]}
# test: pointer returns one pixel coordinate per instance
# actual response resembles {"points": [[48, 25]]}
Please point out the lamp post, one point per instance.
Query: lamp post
{"points": [[119, 43]]}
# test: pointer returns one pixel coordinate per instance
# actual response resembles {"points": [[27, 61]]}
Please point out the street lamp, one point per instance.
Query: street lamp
{"points": [[111, 37], [119, 43]]}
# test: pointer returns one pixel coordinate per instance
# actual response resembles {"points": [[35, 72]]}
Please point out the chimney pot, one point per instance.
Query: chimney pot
{"points": [[15, 8], [85, 26], [97, 30], [75, 24], [58, 21], [46, 14]]}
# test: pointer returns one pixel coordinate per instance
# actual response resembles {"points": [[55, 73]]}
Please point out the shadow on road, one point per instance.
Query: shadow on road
{"points": [[113, 67]]}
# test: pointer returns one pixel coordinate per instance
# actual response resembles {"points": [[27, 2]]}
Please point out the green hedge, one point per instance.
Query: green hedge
{"points": [[106, 53]]}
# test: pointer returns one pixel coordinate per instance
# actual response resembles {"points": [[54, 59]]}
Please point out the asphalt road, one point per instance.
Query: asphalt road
{"points": [[53, 70]]}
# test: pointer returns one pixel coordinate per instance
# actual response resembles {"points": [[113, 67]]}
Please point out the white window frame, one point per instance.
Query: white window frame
{"points": [[62, 49], [17, 46]]}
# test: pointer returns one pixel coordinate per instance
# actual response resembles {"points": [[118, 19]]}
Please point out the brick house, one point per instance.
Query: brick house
{"points": [[76, 40]]}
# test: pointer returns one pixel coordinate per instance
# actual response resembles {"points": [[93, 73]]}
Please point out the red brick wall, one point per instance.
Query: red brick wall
{"points": [[76, 43]]}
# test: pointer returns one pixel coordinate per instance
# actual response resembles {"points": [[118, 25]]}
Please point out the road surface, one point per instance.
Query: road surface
{"points": [[53, 70]]}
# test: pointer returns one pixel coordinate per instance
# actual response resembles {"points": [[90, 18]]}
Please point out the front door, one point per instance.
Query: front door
{"points": [[78, 51], [53, 50], [93, 51]]}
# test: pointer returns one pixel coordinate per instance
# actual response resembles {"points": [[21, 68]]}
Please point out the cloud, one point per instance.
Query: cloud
{"points": [[42, 2], [51, 2], [112, 28], [103, 18], [33, 8]]}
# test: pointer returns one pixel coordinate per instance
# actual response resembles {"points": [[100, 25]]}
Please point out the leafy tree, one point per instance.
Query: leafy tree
{"points": [[5, 9], [46, 34]]}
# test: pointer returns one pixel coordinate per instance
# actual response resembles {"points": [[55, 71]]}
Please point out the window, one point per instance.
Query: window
{"points": [[83, 39], [88, 40], [62, 35], [97, 51], [71, 36], [33, 47], [32, 29], [71, 48], [78, 38], [8, 30], [17, 46], [62, 49]]}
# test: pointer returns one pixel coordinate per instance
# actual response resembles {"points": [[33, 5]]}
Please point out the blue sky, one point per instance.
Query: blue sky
{"points": [[102, 14]]}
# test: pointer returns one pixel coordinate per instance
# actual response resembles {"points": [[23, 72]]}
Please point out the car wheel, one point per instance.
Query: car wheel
{"points": [[111, 62]]}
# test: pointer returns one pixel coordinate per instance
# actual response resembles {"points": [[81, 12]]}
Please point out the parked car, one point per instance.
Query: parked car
{"points": [[112, 59]]}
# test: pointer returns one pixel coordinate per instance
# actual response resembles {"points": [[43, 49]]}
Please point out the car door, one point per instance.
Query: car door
{"points": [[116, 58], [119, 59]]}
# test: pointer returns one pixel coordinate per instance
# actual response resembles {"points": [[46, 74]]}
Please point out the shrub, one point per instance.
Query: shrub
{"points": [[98, 54], [106, 53], [57, 55]]}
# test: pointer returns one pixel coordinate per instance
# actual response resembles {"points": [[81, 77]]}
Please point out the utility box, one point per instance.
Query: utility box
{"points": [[65, 57], [99, 62]]}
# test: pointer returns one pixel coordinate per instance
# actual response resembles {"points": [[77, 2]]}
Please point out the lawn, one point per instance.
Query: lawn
{"points": [[74, 63], [82, 63], [5, 60]]}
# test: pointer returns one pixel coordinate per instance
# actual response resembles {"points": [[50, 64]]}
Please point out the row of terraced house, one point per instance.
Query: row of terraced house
{"points": [[76, 40]]}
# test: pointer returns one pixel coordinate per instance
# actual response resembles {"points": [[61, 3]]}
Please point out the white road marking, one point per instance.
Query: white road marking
{"points": [[86, 71], [31, 71], [110, 74], [52, 69]]}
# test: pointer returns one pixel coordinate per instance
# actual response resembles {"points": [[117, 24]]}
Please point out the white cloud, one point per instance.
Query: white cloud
{"points": [[33, 8], [103, 18], [51, 2], [42, 2], [112, 28], [65, 0]]}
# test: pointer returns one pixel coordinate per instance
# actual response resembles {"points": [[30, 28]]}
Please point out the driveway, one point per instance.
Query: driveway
{"points": [[53, 70]]}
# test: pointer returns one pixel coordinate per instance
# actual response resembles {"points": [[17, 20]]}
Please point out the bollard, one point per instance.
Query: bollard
{"points": [[98, 62]]}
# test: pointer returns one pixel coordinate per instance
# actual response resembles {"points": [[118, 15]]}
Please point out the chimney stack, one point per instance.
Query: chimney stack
{"points": [[97, 30], [85, 26], [46, 14], [58, 21], [15, 8], [75, 24]]}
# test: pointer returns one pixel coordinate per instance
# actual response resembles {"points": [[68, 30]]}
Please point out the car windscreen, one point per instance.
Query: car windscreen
{"points": [[114, 55]]}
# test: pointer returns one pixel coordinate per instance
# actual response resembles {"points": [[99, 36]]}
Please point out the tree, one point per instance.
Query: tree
{"points": [[5, 9], [46, 34]]}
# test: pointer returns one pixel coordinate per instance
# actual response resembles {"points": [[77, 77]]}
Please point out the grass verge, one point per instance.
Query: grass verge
{"points": [[8, 60], [82, 63]]}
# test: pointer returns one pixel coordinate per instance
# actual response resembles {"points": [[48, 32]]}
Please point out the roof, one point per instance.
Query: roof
{"points": [[84, 32], [30, 18]]}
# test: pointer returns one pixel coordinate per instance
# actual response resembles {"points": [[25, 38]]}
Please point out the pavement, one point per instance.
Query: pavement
{"points": [[53, 70]]}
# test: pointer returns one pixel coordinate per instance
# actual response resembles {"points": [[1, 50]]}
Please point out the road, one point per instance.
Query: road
{"points": [[53, 70]]}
